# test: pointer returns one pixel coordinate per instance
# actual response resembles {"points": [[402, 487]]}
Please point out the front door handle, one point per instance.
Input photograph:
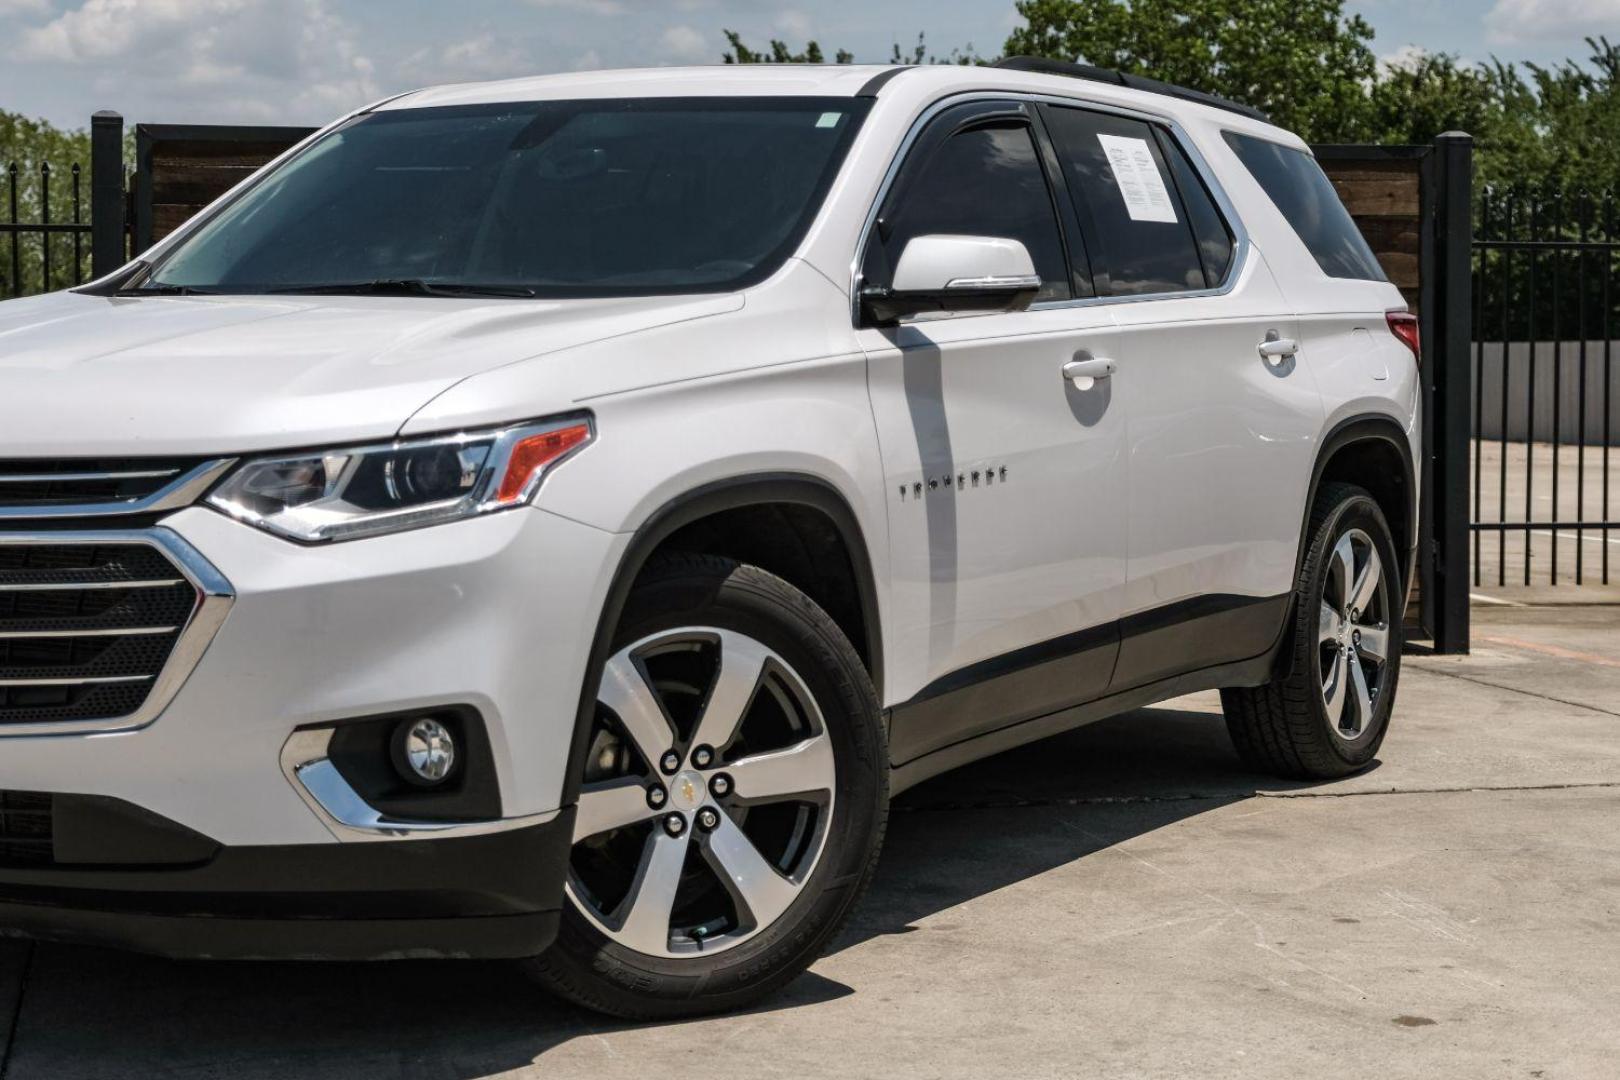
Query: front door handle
{"points": [[1276, 347], [1085, 373]]}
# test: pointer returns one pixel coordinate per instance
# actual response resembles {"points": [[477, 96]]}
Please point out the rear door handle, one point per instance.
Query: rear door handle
{"points": [[1084, 373], [1277, 347]]}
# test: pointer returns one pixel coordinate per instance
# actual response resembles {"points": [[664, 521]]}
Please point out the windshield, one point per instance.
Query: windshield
{"points": [[568, 198]]}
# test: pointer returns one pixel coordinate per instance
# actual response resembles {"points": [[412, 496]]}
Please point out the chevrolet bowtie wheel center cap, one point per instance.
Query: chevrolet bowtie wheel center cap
{"points": [[687, 791]]}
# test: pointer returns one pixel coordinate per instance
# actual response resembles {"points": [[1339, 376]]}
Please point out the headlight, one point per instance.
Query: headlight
{"points": [[348, 493]]}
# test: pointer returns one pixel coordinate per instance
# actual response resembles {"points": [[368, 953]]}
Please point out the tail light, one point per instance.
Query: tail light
{"points": [[1404, 325]]}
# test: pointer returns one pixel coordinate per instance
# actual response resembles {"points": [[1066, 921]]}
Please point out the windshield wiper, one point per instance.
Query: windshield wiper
{"points": [[165, 290], [406, 287]]}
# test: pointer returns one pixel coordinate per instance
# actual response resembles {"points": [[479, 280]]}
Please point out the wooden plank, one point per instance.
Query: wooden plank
{"points": [[1403, 235], [167, 217], [231, 153], [1383, 196], [195, 183]]}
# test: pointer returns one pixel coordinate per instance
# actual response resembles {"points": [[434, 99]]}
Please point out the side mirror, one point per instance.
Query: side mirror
{"points": [[954, 273]]}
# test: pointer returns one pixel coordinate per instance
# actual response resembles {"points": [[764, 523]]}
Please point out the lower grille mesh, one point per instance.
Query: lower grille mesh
{"points": [[26, 834]]}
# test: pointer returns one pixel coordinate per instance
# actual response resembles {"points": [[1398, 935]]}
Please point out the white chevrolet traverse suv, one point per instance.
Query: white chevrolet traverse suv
{"points": [[550, 518]]}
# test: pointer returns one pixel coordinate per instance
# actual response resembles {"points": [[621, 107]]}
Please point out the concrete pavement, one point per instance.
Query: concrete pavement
{"points": [[1121, 901]]}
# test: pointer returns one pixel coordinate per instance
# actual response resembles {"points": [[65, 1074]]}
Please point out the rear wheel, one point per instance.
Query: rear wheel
{"points": [[732, 802], [1328, 716]]}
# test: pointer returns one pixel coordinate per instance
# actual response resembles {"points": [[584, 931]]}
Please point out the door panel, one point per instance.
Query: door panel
{"points": [[1007, 529], [1220, 437], [1221, 445]]}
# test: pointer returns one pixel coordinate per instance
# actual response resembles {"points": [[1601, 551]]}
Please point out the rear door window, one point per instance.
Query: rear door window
{"points": [[1150, 225], [1304, 194]]}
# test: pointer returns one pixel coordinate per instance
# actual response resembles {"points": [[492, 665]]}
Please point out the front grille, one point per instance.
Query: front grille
{"points": [[26, 834], [85, 628], [69, 482]]}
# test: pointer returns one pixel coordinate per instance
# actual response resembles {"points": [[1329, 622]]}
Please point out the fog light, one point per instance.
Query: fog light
{"points": [[424, 751]]}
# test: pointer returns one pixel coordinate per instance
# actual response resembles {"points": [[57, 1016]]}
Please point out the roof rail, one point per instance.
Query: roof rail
{"points": [[1120, 78]]}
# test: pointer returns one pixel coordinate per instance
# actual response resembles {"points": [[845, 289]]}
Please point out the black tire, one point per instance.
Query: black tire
{"points": [[1283, 727], [590, 968]]}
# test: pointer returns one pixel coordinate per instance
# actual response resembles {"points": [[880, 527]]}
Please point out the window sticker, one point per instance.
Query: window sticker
{"points": [[829, 119], [1137, 174]]}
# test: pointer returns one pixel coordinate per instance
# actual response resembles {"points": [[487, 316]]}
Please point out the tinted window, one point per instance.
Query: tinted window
{"points": [[1306, 198], [564, 198], [1209, 228], [985, 181], [1134, 218]]}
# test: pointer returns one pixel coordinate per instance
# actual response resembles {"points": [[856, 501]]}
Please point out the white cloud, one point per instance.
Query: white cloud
{"points": [[483, 56], [594, 7], [794, 23], [623, 7], [24, 7], [269, 61], [684, 43], [589, 60], [1404, 58], [1512, 21]]}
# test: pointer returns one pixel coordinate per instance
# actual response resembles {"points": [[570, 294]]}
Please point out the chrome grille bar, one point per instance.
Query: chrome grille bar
{"points": [[107, 680], [183, 489], [75, 586], [84, 477], [139, 631]]}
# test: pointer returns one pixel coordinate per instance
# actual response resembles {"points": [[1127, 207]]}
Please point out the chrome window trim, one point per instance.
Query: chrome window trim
{"points": [[183, 490], [1241, 245], [215, 596], [349, 817]]}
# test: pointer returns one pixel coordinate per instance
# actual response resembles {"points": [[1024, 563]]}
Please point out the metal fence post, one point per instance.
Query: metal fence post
{"points": [[107, 231], [1450, 378]]}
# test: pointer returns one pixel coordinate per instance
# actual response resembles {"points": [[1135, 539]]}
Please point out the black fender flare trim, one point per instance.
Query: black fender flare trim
{"points": [[800, 489], [1361, 428]]}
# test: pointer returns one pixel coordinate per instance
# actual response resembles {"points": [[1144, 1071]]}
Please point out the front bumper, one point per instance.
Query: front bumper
{"points": [[493, 615], [485, 897]]}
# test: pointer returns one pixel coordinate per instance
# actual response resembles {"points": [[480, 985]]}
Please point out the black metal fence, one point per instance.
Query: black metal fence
{"points": [[57, 258], [1546, 315], [64, 224]]}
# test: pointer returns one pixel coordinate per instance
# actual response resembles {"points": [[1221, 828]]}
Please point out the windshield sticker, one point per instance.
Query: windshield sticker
{"points": [[829, 119], [1137, 174]]}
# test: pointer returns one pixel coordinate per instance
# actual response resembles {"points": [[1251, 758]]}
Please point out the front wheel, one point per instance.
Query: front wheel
{"points": [[732, 802], [1328, 716]]}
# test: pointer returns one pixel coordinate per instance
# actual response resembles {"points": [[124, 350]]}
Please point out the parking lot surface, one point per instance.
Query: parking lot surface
{"points": [[1121, 901]]}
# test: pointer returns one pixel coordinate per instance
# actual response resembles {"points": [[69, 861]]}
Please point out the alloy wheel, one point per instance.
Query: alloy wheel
{"points": [[1353, 634], [707, 796]]}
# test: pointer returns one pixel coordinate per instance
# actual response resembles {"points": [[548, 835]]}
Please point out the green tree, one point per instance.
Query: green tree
{"points": [[1305, 63], [779, 53], [43, 157], [919, 54]]}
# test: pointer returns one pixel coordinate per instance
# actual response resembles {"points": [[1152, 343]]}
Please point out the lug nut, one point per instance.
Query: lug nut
{"points": [[670, 761], [657, 796], [703, 757], [674, 824], [708, 819], [720, 786]]}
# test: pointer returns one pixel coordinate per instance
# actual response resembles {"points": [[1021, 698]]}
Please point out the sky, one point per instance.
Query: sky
{"points": [[306, 61]]}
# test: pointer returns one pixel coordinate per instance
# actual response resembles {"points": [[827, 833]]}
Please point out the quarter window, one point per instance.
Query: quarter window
{"points": [[1304, 194], [986, 180], [1149, 222]]}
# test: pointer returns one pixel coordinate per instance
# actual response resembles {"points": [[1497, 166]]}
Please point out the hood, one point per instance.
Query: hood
{"points": [[92, 375]]}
